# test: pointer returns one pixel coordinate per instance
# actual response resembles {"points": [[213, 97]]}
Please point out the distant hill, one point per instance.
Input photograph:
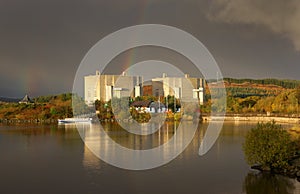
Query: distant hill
{"points": [[255, 87], [287, 84], [6, 99]]}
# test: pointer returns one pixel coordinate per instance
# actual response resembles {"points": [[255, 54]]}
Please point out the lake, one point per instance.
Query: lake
{"points": [[54, 159]]}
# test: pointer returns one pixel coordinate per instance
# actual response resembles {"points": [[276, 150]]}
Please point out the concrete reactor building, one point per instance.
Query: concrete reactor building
{"points": [[186, 88], [105, 87]]}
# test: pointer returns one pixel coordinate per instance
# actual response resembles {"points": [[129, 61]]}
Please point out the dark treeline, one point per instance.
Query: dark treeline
{"points": [[289, 84], [244, 92], [45, 99]]}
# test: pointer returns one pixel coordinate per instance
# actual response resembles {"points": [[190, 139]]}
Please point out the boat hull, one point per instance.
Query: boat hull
{"points": [[74, 120]]}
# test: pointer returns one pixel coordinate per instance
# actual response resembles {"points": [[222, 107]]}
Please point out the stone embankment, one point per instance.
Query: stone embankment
{"points": [[254, 119]]}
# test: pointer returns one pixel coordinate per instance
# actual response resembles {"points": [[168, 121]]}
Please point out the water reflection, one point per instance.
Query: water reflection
{"points": [[99, 144], [140, 142], [90, 161], [98, 140], [39, 156], [262, 183]]}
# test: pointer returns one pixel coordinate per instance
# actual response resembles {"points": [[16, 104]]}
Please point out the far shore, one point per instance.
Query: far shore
{"points": [[24, 121], [293, 120], [205, 118]]}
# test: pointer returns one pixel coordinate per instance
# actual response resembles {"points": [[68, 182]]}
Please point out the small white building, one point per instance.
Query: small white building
{"points": [[149, 106]]}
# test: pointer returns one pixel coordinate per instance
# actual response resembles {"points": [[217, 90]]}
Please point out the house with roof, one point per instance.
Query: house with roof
{"points": [[149, 106]]}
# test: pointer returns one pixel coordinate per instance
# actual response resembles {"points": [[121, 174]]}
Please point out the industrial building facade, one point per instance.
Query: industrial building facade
{"points": [[186, 88], [105, 87]]}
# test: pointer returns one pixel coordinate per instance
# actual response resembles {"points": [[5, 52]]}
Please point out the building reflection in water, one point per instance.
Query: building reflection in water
{"points": [[107, 146], [90, 161], [106, 142]]}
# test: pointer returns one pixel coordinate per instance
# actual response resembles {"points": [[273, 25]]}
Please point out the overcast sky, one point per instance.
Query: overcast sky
{"points": [[42, 42]]}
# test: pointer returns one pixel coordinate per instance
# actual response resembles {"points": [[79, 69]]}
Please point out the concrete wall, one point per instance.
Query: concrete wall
{"points": [[255, 119], [104, 87]]}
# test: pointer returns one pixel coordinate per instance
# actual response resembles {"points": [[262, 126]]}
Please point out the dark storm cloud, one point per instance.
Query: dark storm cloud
{"points": [[267, 36], [50, 35], [43, 42], [281, 17]]}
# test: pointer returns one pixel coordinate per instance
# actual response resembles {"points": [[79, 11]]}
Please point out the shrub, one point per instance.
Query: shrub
{"points": [[268, 145]]}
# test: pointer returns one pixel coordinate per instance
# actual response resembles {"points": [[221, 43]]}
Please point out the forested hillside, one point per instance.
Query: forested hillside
{"points": [[259, 96], [288, 84], [43, 107]]}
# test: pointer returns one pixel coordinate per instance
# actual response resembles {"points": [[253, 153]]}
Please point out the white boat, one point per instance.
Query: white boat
{"points": [[74, 120]]}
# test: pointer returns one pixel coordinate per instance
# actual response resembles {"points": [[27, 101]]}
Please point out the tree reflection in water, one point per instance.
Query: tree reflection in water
{"points": [[267, 183]]}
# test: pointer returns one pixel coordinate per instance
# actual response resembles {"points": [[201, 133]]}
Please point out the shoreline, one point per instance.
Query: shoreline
{"points": [[254, 119], [205, 118], [28, 121]]}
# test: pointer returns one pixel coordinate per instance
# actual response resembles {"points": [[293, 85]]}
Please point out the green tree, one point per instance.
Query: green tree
{"points": [[268, 145], [172, 103], [79, 106], [298, 94], [53, 111], [120, 107], [264, 104]]}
